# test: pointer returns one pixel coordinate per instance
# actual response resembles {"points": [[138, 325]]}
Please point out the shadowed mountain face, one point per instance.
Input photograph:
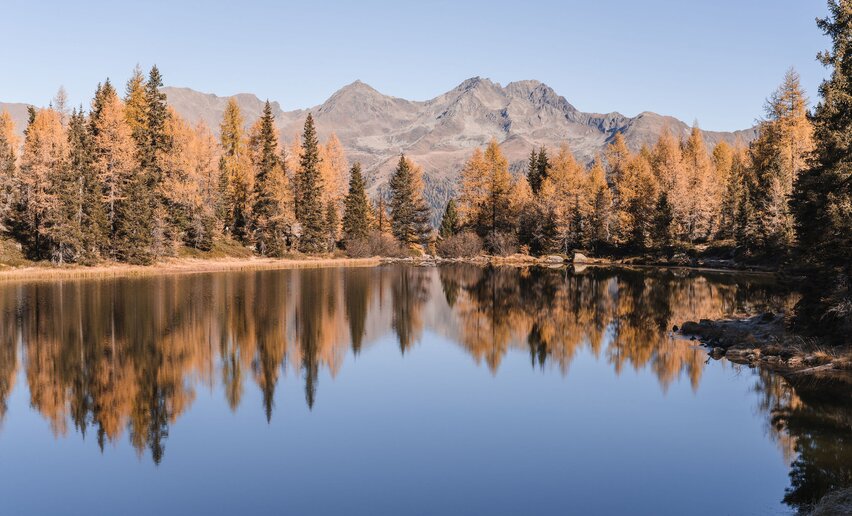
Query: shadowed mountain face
{"points": [[440, 133]]}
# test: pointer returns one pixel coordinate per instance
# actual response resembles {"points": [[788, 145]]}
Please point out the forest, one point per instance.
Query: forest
{"points": [[128, 180]]}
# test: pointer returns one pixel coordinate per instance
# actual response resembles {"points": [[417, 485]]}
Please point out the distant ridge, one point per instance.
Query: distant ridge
{"points": [[440, 133]]}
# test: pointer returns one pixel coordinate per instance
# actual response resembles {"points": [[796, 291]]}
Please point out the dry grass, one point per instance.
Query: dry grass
{"points": [[178, 266], [838, 502]]}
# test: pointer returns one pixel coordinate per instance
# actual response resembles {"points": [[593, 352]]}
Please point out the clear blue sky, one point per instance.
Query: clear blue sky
{"points": [[714, 61]]}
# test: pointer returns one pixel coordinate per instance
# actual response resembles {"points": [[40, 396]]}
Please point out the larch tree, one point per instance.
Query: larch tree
{"points": [[235, 178], [562, 190], [600, 223], [617, 157], [356, 212], [778, 155], [43, 162], [701, 214], [125, 193], [311, 211], [334, 168], [822, 197]]}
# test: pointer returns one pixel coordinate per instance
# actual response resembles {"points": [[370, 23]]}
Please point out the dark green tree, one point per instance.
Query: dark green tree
{"points": [[822, 197], [356, 212], [310, 189], [83, 198], [332, 221], [409, 213], [450, 220], [267, 209], [537, 169]]}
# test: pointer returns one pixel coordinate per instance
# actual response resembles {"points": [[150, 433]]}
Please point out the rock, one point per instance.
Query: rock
{"points": [[553, 258], [580, 258], [690, 327]]}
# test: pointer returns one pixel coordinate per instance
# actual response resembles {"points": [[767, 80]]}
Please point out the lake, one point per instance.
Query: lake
{"points": [[401, 390]]}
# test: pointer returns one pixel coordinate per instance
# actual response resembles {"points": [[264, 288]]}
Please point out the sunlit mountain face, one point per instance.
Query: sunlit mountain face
{"points": [[391, 382]]}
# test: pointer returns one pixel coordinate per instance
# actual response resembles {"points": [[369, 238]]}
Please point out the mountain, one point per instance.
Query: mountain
{"points": [[440, 133]]}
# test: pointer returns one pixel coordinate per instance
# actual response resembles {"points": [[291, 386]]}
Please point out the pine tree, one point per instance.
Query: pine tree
{"points": [[449, 221], [356, 214], [332, 222], [156, 144], [84, 201], [268, 206], [8, 165], [409, 213], [235, 184], [310, 191], [822, 198]]}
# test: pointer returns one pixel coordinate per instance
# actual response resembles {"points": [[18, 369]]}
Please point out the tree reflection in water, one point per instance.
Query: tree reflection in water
{"points": [[121, 355]]}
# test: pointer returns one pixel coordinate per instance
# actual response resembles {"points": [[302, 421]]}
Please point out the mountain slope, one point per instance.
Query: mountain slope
{"points": [[440, 133]]}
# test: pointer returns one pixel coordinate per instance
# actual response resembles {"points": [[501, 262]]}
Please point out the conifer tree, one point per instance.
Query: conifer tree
{"points": [[125, 192], [8, 164], [311, 210], [409, 213], [235, 182], [268, 206], [701, 213], [822, 198], [356, 214], [538, 169], [449, 221], [155, 145], [332, 222], [778, 155], [43, 161], [599, 228], [88, 219]]}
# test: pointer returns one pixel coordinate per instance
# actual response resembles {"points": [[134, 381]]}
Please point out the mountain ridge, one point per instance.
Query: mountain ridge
{"points": [[439, 133]]}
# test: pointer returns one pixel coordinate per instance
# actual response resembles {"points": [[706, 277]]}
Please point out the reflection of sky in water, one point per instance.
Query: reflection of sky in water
{"points": [[425, 431]]}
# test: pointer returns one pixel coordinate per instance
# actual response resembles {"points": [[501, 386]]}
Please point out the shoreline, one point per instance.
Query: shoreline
{"points": [[186, 265], [176, 266], [763, 341]]}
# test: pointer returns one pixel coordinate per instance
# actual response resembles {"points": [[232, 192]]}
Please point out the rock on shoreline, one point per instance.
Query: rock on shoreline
{"points": [[763, 341]]}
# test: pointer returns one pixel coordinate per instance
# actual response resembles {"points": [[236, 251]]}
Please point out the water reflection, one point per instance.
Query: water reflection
{"points": [[127, 355]]}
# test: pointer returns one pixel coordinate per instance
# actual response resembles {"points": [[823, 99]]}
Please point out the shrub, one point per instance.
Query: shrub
{"points": [[375, 244], [501, 244], [461, 245]]}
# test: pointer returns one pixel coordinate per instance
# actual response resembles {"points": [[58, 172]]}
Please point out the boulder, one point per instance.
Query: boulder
{"points": [[580, 258], [553, 258]]}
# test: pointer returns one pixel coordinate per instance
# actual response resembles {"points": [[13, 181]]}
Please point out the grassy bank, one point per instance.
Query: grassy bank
{"points": [[181, 265]]}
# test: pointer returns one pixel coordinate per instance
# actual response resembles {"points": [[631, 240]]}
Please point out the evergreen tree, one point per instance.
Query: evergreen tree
{"points": [[449, 221], [332, 222], [311, 210], [409, 213], [153, 201], [84, 192], [8, 160], [537, 169], [356, 213], [601, 214], [822, 198], [267, 207]]}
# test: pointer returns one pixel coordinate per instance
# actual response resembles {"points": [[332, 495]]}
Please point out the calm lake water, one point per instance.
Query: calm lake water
{"points": [[401, 390]]}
